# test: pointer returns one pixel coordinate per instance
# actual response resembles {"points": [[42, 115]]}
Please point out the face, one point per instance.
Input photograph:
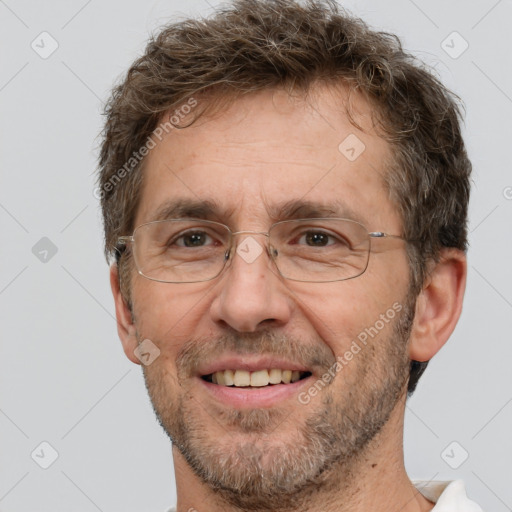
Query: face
{"points": [[346, 338]]}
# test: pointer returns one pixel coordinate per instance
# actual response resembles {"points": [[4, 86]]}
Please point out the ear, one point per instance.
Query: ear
{"points": [[438, 305], [125, 327]]}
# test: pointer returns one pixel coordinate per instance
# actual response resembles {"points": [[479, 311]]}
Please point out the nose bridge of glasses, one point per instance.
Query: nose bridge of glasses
{"points": [[233, 233], [249, 235], [247, 247]]}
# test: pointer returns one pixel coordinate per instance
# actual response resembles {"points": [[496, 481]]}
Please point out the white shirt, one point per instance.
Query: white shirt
{"points": [[448, 496]]}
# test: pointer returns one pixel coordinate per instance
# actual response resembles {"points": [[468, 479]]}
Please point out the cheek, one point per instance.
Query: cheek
{"points": [[358, 309], [167, 313]]}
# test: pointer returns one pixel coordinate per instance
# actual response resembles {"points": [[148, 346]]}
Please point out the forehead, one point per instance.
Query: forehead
{"points": [[269, 156]]}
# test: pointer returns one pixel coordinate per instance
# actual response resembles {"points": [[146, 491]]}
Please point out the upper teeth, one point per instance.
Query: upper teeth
{"points": [[241, 378]]}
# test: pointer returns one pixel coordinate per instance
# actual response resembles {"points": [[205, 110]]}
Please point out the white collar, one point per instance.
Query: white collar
{"points": [[448, 496]]}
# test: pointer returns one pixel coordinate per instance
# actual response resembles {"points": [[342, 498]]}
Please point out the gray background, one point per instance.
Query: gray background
{"points": [[64, 377]]}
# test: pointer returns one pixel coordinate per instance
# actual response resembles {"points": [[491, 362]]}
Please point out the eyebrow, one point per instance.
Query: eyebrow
{"points": [[208, 209], [185, 208], [303, 209]]}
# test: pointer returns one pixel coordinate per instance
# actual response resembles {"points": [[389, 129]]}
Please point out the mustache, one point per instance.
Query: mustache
{"points": [[314, 355]]}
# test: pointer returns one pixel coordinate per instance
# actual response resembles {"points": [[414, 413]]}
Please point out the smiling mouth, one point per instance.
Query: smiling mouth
{"points": [[256, 379]]}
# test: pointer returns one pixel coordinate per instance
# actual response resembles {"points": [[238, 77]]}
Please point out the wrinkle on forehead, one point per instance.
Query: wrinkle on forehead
{"points": [[252, 156]]}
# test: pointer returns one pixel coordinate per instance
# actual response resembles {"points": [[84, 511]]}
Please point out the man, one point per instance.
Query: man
{"points": [[285, 194]]}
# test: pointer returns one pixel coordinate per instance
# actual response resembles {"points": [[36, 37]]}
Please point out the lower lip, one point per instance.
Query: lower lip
{"points": [[250, 398]]}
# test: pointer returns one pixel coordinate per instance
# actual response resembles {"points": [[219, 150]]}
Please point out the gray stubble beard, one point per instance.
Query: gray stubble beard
{"points": [[256, 474]]}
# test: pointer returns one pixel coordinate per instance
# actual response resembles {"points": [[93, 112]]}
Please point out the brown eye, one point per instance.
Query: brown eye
{"points": [[317, 239], [192, 239]]}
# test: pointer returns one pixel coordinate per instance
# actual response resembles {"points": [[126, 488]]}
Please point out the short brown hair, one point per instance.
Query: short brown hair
{"points": [[262, 44]]}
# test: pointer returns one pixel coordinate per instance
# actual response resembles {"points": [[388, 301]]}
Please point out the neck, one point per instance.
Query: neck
{"points": [[377, 480]]}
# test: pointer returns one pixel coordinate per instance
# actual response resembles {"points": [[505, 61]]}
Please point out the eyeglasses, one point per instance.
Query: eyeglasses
{"points": [[308, 250]]}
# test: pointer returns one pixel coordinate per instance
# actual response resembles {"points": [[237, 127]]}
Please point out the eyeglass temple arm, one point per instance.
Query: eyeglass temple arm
{"points": [[381, 234], [122, 242]]}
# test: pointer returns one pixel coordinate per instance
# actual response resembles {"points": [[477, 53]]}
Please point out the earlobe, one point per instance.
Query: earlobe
{"points": [[125, 327], [439, 305]]}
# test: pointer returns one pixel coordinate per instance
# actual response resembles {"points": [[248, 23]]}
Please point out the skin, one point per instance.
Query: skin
{"points": [[263, 149]]}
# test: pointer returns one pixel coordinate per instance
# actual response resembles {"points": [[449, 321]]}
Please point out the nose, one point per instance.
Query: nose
{"points": [[250, 294]]}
